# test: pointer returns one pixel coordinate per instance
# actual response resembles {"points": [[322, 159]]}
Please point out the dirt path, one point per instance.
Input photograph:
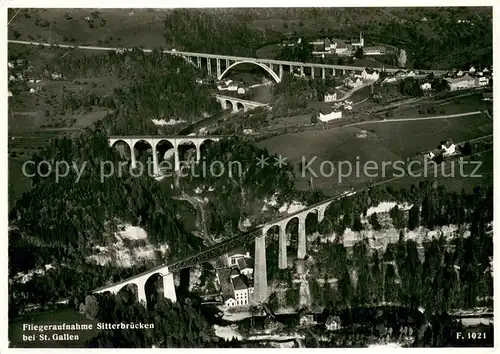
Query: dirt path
{"points": [[412, 119]]}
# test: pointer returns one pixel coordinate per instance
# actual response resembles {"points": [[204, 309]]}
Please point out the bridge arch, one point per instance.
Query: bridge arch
{"points": [[265, 67]]}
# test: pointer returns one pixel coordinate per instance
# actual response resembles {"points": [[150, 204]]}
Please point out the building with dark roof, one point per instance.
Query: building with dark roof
{"points": [[235, 254], [246, 266]]}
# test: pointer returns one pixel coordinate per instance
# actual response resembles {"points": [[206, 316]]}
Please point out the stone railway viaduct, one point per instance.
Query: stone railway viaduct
{"points": [[257, 236], [174, 142]]}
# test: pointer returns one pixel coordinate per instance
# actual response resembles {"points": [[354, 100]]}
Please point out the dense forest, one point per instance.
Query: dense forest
{"points": [[435, 38], [454, 274]]}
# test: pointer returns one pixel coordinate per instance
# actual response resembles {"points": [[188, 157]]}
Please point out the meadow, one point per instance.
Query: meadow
{"points": [[387, 141]]}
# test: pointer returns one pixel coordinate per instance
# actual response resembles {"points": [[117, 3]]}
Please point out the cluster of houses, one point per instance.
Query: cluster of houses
{"points": [[459, 80], [19, 71], [356, 80], [446, 148], [339, 47], [236, 280]]}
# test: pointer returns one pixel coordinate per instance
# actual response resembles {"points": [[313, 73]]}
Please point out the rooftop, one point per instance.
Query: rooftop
{"points": [[246, 263], [236, 251], [239, 283]]}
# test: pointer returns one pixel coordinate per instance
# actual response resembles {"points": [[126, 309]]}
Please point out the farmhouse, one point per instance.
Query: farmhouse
{"points": [[349, 82], [482, 81], [333, 323], [370, 75], [460, 83], [448, 148], [426, 86]]}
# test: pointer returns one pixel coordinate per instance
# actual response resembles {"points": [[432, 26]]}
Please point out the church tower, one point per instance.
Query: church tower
{"points": [[361, 39]]}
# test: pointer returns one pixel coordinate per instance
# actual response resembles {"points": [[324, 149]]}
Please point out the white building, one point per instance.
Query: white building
{"points": [[234, 255], [370, 75], [241, 293], [230, 302], [227, 85], [482, 81], [241, 91], [333, 323], [426, 86], [448, 148], [56, 76], [351, 83], [389, 79], [330, 97], [330, 116]]}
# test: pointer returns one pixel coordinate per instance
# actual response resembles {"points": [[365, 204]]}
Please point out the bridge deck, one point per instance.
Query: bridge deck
{"points": [[220, 56], [186, 137]]}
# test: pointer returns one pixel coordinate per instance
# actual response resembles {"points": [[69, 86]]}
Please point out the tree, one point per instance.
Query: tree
{"points": [[91, 306], [398, 217], [325, 227], [314, 118], [414, 217], [359, 53], [466, 149], [375, 223], [356, 225]]}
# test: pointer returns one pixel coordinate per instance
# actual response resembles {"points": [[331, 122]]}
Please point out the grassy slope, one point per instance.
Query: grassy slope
{"points": [[385, 142]]}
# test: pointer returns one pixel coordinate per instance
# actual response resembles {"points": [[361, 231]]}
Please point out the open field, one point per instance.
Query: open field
{"points": [[426, 107], [122, 27], [388, 141], [67, 316], [482, 177]]}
